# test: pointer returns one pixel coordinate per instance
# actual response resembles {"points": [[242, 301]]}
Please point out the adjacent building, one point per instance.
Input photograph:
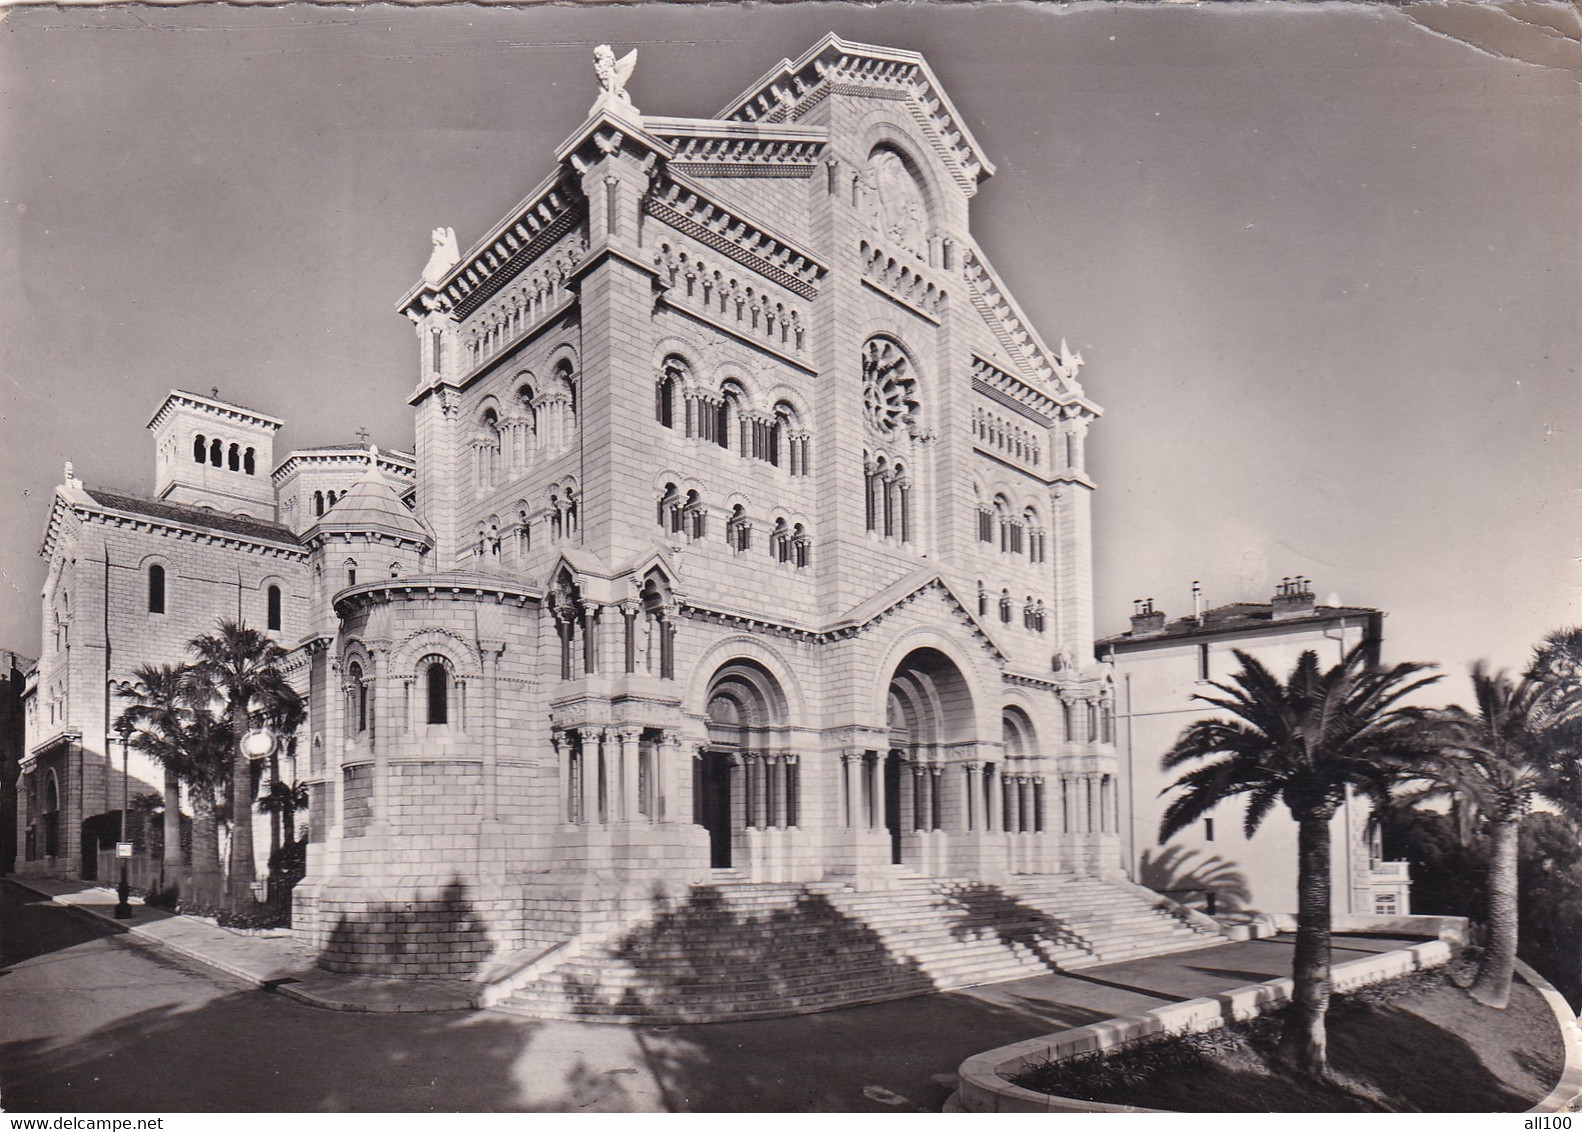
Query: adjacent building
{"points": [[1160, 667]]}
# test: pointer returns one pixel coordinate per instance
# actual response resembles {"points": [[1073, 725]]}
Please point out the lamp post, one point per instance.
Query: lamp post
{"points": [[256, 744], [123, 907]]}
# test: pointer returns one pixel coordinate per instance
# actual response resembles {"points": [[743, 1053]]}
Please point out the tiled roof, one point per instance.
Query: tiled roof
{"points": [[193, 516], [1237, 617]]}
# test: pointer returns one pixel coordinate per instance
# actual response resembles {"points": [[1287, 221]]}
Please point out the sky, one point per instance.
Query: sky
{"points": [[1322, 260]]}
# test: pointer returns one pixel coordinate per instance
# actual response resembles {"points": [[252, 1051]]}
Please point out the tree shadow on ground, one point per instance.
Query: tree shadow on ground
{"points": [[883, 1057], [984, 909], [1191, 877], [706, 954], [251, 1052]]}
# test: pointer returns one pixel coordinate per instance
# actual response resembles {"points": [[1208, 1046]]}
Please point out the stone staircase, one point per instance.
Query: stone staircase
{"points": [[735, 950]]}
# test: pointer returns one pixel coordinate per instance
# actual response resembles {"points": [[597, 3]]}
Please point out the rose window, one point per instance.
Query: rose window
{"points": [[888, 388]]}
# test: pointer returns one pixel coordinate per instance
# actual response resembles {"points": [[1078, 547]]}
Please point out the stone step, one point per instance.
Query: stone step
{"points": [[816, 947]]}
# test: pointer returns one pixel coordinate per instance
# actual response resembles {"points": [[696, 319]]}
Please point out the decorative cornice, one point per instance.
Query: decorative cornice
{"points": [[99, 514], [687, 209], [833, 65], [706, 147], [902, 281], [180, 398], [1016, 393], [399, 463], [841, 628], [546, 215], [1016, 334], [456, 587]]}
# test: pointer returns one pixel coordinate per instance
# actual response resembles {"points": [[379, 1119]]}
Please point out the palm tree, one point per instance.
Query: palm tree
{"points": [[1303, 743], [155, 723], [1517, 748], [241, 668], [169, 720]]}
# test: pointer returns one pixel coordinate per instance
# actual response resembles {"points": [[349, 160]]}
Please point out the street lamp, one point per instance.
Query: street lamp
{"points": [[123, 907]]}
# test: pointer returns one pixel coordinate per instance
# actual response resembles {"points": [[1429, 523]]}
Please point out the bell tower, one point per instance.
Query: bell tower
{"points": [[210, 453]]}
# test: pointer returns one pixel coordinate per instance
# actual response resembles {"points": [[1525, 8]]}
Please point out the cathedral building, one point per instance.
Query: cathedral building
{"points": [[746, 542]]}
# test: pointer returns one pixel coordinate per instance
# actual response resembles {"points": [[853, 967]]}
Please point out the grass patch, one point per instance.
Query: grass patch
{"points": [[1414, 1044]]}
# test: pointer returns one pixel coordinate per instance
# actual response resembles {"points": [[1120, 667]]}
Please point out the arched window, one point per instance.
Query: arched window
{"points": [[359, 697], [730, 407], [738, 531], [351, 571], [1005, 606], [801, 547], [216, 452], [983, 601], [780, 541], [200, 449], [436, 679], [236, 458], [156, 589], [670, 509], [874, 475], [695, 516], [571, 510], [665, 392], [272, 600], [248, 464], [318, 503]]}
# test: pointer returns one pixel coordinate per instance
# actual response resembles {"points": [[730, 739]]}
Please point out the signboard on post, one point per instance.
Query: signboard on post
{"points": [[123, 848]]}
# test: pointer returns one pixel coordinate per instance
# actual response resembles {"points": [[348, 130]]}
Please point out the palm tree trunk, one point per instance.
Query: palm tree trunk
{"points": [[239, 883], [1303, 1045], [1492, 987], [171, 862], [205, 847]]}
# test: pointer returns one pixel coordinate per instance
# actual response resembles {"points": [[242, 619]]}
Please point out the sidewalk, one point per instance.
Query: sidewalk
{"points": [[272, 962]]}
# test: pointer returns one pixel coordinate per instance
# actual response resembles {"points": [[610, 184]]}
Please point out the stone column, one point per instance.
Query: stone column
{"points": [[377, 727], [936, 802], [969, 815], [563, 776], [792, 796], [626, 744], [851, 792], [590, 637], [588, 765], [488, 727], [876, 815]]}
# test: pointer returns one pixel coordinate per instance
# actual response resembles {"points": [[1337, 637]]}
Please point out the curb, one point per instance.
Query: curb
{"points": [[985, 1078], [1564, 1096]]}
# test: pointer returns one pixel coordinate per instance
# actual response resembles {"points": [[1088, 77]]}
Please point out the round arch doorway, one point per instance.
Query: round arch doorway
{"points": [[741, 780], [928, 707]]}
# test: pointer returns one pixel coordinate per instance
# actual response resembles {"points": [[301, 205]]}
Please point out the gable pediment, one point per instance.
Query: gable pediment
{"points": [[835, 65]]}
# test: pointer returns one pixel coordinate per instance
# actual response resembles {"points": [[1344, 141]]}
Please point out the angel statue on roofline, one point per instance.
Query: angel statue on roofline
{"points": [[612, 73]]}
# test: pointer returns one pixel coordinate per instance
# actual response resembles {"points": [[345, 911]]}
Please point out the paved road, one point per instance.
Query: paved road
{"points": [[93, 1023]]}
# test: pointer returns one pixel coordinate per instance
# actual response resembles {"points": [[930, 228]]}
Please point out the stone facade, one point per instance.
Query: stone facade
{"points": [[1160, 667], [747, 536]]}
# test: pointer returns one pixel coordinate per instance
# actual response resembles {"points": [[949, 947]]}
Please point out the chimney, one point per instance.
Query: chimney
{"points": [[1292, 598], [1146, 621], [1197, 601]]}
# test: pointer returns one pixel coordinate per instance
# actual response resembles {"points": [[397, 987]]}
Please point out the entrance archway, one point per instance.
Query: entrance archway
{"points": [[928, 707], [744, 778]]}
